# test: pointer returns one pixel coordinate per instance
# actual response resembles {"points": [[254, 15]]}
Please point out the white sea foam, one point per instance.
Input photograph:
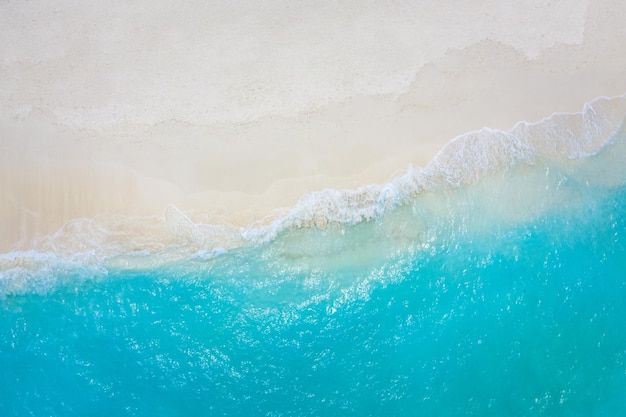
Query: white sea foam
{"points": [[466, 160], [563, 140], [39, 272]]}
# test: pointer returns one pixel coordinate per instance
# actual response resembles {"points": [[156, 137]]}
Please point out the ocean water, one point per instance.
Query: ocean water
{"points": [[490, 283]]}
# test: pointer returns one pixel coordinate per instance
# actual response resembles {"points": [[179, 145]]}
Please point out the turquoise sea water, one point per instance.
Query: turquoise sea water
{"points": [[492, 286]]}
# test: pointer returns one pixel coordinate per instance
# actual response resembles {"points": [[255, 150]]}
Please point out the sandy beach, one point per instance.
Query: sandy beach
{"points": [[232, 111]]}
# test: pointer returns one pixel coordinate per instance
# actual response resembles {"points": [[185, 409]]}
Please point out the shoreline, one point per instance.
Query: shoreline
{"points": [[222, 225], [55, 170]]}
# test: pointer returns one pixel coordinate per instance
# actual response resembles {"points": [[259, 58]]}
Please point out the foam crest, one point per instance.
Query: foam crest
{"points": [[469, 158], [567, 141], [39, 272], [576, 135], [466, 160]]}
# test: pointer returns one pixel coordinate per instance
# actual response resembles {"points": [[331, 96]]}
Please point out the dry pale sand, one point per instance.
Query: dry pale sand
{"points": [[231, 110]]}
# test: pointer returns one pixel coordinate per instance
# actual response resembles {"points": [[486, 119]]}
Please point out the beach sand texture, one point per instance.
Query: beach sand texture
{"points": [[232, 110]]}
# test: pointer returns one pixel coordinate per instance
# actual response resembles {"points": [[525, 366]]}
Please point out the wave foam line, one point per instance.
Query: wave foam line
{"points": [[466, 160], [560, 140]]}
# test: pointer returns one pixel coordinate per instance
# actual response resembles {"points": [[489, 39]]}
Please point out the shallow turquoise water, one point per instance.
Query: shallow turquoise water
{"points": [[503, 295], [525, 319]]}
